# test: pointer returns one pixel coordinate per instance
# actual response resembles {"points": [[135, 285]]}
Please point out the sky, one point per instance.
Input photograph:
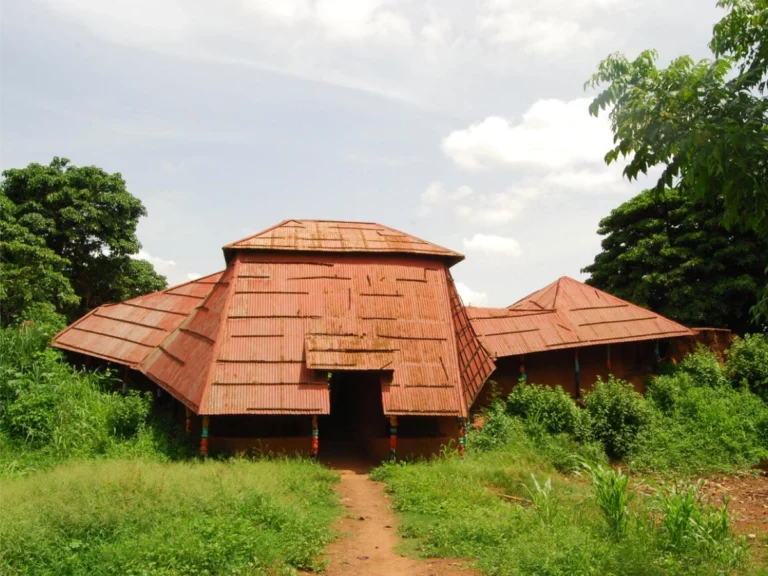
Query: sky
{"points": [[463, 123]]}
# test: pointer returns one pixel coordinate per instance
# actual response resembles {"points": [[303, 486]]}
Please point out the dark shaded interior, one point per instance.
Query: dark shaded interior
{"points": [[356, 412]]}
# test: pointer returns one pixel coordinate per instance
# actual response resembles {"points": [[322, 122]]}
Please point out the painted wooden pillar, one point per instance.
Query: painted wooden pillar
{"points": [[187, 421], [392, 438], [576, 374], [656, 356], [315, 450], [608, 358], [462, 436], [125, 379], [523, 375], [204, 437]]}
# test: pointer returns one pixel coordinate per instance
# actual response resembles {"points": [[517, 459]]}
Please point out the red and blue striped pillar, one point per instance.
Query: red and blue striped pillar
{"points": [[204, 437], [315, 438], [392, 438], [523, 375], [462, 436]]}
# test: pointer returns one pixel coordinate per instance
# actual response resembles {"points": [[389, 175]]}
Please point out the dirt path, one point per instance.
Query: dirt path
{"points": [[369, 536]]}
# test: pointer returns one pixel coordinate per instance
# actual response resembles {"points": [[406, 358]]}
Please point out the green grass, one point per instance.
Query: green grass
{"points": [[462, 508], [139, 517]]}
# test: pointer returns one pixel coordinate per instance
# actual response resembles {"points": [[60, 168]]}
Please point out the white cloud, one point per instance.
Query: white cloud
{"points": [[496, 209], [462, 192], [161, 265], [352, 19], [552, 134], [194, 275], [470, 297], [431, 196], [283, 11], [492, 244]]}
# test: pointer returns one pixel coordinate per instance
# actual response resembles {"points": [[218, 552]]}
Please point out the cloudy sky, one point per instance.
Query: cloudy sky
{"points": [[464, 123]]}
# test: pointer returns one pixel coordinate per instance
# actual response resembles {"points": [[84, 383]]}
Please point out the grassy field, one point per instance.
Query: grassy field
{"points": [[140, 517], [513, 513]]}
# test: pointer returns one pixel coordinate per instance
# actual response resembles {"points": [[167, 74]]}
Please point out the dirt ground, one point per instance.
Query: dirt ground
{"points": [[369, 535], [748, 501]]}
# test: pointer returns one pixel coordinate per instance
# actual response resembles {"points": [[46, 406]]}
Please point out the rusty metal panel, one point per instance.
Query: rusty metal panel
{"points": [[567, 314], [334, 236], [128, 332]]}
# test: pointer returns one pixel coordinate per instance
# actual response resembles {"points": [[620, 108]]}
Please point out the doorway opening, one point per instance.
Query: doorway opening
{"points": [[357, 415]]}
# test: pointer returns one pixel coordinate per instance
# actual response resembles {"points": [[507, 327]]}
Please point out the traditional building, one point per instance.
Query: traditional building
{"points": [[569, 334], [346, 331]]}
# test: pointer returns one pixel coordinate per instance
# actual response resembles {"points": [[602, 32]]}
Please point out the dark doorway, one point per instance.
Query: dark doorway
{"points": [[356, 414]]}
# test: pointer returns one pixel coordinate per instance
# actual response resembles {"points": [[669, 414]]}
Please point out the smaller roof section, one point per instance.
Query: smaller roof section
{"points": [[340, 236], [567, 314]]}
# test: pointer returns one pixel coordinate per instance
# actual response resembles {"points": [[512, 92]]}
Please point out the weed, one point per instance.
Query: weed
{"points": [[541, 496], [611, 490]]}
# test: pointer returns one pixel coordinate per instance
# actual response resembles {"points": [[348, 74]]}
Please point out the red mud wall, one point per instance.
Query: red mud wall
{"points": [[632, 362]]}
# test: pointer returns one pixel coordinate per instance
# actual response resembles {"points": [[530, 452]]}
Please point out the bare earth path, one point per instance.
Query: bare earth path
{"points": [[369, 536]]}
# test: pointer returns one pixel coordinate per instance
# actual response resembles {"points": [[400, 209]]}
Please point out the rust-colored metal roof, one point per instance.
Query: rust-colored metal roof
{"points": [[567, 314], [339, 236], [261, 336], [127, 332]]}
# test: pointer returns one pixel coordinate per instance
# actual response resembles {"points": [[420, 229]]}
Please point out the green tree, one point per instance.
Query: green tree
{"points": [[673, 255], [704, 123], [31, 274], [81, 222]]}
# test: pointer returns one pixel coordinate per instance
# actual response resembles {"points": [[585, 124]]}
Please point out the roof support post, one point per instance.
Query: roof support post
{"points": [[656, 356], [187, 421], [204, 437], [392, 438], [608, 358], [523, 375], [576, 374], [462, 436], [125, 379], [315, 438]]}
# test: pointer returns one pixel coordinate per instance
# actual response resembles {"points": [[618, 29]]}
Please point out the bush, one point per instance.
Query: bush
{"points": [[551, 407], [698, 429], [748, 363], [705, 368], [617, 414]]}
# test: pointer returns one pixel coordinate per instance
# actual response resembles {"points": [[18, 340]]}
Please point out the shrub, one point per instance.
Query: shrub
{"points": [[748, 363], [699, 429], [617, 415], [705, 368], [551, 407]]}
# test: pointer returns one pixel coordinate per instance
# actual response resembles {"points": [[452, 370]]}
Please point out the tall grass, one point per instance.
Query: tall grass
{"points": [[139, 517], [612, 495]]}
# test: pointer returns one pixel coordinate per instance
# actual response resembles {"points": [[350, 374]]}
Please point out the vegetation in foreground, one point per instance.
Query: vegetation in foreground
{"points": [[141, 517], [535, 495]]}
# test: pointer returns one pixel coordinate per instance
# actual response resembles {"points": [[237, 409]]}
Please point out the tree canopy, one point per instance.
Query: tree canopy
{"points": [[704, 123], [672, 254], [68, 237]]}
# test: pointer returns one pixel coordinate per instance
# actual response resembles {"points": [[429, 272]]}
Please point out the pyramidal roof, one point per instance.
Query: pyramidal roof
{"points": [[340, 236], [261, 336], [567, 314]]}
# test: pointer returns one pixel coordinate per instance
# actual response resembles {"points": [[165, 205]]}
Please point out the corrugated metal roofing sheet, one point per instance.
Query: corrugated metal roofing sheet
{"points": [[127, 332], [260, 337], [339, 236], [567, 314]]}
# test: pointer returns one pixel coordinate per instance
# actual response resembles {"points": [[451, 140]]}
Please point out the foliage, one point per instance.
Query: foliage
{"points": [[49, 411], [617, 414], [687, 523], [611, 490], [704, 122], [475, 508], [63, 222], [141, 517], [748, 363], [670, 253], [550, 406], [31, 274], [699, 428], [704, 368]]}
